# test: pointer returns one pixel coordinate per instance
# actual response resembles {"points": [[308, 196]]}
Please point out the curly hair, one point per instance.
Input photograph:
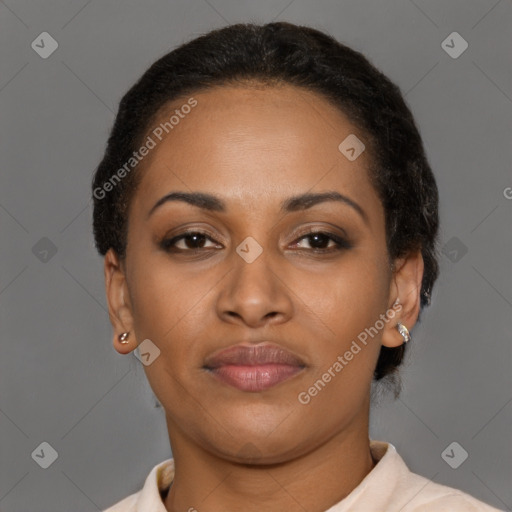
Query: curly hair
{"points": [[284, 53]]}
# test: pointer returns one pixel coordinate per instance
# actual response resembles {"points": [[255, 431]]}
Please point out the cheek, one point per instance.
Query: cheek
{"points": [[350, 295], [344, 307], [347, 305], [169, 309], [175, 309], [162, 297]]}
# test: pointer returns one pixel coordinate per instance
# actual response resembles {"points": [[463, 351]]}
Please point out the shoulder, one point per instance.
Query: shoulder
{"points": [[415, 493], [149, 498], [392, 486], [126, 505], [435, 497]]}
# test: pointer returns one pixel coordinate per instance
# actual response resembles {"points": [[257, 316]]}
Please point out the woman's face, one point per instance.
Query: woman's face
{"points": [[256, 276]]}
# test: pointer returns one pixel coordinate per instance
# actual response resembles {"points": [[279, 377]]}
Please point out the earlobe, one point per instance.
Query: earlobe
{"points": [[119, 308], [405, 295]]}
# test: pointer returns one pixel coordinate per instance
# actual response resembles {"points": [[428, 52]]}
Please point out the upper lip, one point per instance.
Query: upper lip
{"points": [[252, 355]]}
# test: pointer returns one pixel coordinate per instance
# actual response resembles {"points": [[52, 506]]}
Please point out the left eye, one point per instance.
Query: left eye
{"points": [[320, 241]]}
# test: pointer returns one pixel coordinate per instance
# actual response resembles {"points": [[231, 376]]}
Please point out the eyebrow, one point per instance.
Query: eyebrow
{"points": [[292, 204]]}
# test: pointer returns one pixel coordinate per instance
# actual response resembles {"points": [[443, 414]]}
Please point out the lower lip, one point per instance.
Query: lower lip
{"points": [[255, 378]]}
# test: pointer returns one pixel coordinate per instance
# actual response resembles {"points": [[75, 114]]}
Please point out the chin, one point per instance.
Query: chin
{"points": [[261, 432], [255, 450]]}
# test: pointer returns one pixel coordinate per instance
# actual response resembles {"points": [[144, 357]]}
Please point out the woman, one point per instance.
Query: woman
{"points": [[269, 222]]}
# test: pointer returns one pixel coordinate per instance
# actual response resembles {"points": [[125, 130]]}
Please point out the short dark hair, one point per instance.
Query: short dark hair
{"points": [[284, 53]]}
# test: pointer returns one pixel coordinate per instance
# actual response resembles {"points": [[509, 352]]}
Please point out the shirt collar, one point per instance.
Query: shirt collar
{"points": [[374, 488]]}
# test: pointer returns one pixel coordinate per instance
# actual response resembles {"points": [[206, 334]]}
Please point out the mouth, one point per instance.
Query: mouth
{"points": [[253, 368]]}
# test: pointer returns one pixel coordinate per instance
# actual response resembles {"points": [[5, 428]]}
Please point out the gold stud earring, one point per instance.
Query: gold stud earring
{"points": [[123, 337]]}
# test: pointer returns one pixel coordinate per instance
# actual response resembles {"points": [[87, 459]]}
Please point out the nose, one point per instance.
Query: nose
{"points": [[255, 294]]}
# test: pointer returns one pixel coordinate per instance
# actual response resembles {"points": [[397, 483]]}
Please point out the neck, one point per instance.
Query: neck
{"points": [[314, 481]]}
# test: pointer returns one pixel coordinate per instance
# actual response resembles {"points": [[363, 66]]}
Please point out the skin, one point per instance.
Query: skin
{"points": [[253, 147]]}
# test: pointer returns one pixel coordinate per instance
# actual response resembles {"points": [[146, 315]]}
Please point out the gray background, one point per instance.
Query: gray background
{"points": [[61, 380]]}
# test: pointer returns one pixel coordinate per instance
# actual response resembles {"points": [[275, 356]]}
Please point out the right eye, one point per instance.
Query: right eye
{"points": [[189, 241]]}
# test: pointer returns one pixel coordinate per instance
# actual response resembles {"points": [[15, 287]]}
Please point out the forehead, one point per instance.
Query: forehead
{"points": [[252, 145]]}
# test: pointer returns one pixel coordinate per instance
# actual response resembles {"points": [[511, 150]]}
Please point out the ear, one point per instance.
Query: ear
{"points": [[404, 297], [119, 307]]}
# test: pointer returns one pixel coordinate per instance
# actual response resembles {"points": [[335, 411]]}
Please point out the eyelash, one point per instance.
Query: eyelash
{"points": [[341, 244]]}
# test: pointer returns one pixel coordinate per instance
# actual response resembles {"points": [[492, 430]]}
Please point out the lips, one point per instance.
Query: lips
{"points": [[254, 367]]}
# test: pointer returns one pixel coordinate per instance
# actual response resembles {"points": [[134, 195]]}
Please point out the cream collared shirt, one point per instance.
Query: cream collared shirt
{"points": [[389, 487]]}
